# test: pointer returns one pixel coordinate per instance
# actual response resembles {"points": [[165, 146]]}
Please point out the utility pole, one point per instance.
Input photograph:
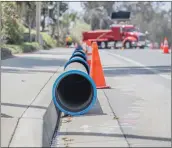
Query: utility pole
{"points": [[171, 14], [0, 22], [171, 22], [0, 27], [58, 29], [38, 20]]}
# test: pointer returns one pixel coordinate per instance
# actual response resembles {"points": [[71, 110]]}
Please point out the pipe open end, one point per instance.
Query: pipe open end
{"points": [[75, 93]]}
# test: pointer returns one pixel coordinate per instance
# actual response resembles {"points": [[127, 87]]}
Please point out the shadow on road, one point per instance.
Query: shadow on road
{"points": [[5, 116], [23, 106], [116, 135], [95, 111], [55, 53], [32, 62], [13, 70], [123, 71]]}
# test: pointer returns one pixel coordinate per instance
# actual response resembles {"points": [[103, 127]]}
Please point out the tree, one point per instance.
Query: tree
{"points": [[58, 8], [44, 13], [10, 24], [67, 22], [97, 14], [27, 14], [149, 17]]}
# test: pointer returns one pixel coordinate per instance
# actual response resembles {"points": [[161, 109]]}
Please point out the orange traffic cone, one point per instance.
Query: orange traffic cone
{"points": [[96, 71], [165, 47], [161, 46], [89, 52]]}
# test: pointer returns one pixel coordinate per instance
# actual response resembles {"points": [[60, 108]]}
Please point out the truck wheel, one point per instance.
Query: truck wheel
{"points": [[127, 45], [103, 45]]}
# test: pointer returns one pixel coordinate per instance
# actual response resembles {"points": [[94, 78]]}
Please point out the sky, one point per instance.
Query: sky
{"points": [[77, 6]]}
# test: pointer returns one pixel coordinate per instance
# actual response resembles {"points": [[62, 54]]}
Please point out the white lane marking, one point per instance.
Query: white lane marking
{"points": [[139, 64]]}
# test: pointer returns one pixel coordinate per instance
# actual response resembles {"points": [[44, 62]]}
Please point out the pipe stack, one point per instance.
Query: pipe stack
{"points": [[74, 92]]}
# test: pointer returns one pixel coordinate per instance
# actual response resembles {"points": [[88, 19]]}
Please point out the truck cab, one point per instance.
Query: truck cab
{"points": [[131, 36], [134, 37]]}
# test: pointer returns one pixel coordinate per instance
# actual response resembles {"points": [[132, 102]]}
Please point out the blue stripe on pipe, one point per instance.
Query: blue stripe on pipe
{"points": [[58, 81], [80, 60], [79, 47], [78, 54], [80, 51]]}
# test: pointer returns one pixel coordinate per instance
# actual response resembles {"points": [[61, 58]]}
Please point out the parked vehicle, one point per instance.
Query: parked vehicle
{"points": [[119, 35]]}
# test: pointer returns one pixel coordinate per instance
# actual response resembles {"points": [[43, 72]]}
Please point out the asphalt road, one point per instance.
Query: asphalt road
{"points": [[141, 94]]}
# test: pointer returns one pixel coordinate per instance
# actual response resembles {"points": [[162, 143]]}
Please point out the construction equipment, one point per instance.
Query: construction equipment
{"points": [[121, 34]]}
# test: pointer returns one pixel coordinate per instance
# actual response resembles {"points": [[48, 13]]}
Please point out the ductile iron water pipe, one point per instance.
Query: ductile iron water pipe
{"points": [[74, 91]]}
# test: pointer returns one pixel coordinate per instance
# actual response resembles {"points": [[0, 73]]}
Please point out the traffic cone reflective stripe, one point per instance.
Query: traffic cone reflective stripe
{"points": [[89, 52], [89, 55], [96, 71]]}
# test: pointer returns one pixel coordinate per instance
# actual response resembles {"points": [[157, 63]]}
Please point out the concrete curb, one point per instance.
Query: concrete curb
{"points": [[37, 125]]}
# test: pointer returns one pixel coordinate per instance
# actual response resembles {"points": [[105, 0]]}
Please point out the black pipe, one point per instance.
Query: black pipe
{"points": [[79, 47], [79, 51], [79, 60], [76, 54], [74, 92]]}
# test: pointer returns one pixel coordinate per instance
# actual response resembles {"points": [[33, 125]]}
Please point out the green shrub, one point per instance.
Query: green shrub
{"points": [[12, 28], [48, 41], [13, 48], [14, 32], [23, 48], [30, 46]]}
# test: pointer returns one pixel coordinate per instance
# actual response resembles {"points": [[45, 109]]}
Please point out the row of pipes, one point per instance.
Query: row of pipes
{"points": [[74, 91]]}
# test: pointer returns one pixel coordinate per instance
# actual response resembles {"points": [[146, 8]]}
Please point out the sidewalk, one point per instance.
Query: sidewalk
{"points": [[98, 128], [26, 87]]}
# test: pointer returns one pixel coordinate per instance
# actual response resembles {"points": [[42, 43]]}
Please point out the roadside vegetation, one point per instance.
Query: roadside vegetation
{"points": [[18, 22]]}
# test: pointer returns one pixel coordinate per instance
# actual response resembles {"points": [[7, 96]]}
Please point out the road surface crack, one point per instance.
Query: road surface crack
{"points": [[13, 133], [30, 104], [39, 92], [115, 117]]}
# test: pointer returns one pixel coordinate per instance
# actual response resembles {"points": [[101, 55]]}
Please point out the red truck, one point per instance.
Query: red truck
{"points": [[119, 35]]}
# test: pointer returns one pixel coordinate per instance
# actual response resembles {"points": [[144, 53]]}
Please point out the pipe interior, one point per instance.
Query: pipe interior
{"points": [[74, 92]]}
